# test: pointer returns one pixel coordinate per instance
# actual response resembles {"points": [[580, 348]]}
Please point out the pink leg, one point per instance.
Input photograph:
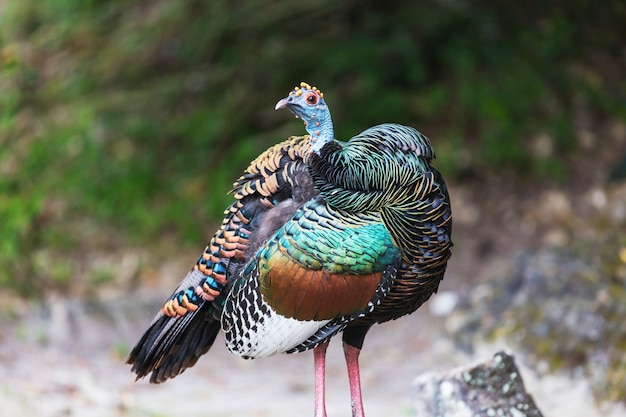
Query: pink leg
{"points": [[352, 360], [319, 358]]}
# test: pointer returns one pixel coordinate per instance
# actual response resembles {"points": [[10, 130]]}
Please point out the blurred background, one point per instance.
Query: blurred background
{"points": [[123, 124]]}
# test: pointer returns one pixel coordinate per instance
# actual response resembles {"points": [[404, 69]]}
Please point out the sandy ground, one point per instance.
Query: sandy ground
{"points": [[67, 360], [79, 371]]}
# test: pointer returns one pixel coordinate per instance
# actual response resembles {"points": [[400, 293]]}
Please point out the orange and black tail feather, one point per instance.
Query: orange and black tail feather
{"points": [[167, 348], [173, 343]]}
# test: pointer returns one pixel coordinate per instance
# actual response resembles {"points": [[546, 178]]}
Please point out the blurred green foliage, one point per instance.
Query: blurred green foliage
{"points": [[123, 121]]}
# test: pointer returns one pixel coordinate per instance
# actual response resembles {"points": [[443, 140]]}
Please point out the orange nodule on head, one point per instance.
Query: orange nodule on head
{"points": [[298, 90]]}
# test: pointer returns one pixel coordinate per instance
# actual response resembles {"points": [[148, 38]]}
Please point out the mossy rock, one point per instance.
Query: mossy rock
{"points": [[564, 309]]}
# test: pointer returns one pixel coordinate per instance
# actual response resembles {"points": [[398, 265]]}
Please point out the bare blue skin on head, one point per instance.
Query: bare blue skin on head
{"points": [[308, 104]]}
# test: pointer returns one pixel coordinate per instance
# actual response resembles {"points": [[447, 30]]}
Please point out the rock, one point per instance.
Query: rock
{"points": [[493, 388], [562, 309]]}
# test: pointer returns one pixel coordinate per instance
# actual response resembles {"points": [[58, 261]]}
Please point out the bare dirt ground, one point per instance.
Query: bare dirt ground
{"points": [[67, 358]]}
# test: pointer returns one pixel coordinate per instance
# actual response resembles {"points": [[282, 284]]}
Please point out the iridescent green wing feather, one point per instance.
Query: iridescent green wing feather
{"points": [[324, 265]]}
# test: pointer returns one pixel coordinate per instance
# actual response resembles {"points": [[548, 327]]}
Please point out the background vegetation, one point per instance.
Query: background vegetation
{"points": [[125, 121]]}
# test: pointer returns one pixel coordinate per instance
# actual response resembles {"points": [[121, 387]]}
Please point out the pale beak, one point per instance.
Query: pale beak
{"points": [[281, 104]]}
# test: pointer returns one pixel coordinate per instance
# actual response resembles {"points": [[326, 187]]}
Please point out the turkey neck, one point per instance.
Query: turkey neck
{"points": [[327, 164]]}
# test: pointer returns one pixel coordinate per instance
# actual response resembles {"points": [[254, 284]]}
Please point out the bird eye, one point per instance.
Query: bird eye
{"points": [[312, 98]]}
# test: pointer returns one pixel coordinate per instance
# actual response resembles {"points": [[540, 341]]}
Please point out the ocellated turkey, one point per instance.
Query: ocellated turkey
{"points": [[323, 237]]}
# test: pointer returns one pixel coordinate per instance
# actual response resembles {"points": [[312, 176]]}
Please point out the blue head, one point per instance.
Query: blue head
{"points": [[308, 104]]}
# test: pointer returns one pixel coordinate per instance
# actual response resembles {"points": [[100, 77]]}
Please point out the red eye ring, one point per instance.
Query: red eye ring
{"points": [[312, 98]]}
